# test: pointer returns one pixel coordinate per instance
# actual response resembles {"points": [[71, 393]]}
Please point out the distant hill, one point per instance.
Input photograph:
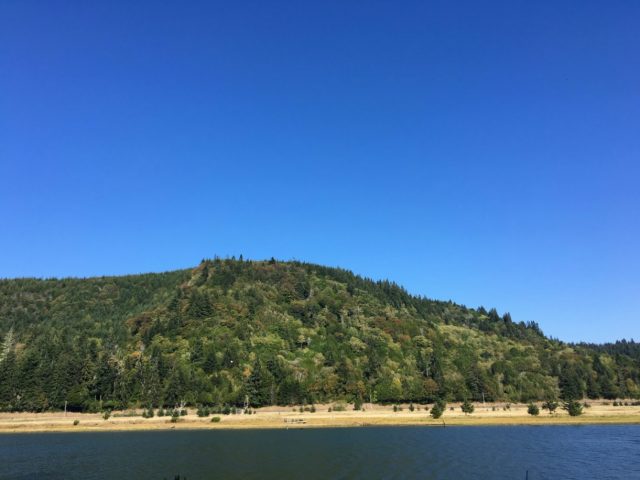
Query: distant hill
{"points": [[277, 333]]}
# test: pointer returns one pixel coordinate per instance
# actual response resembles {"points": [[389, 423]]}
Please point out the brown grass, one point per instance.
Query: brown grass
{"points": [[282, 417]]}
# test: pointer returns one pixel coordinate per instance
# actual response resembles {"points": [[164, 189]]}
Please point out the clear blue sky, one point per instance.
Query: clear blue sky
{"points": [[484, 152]]}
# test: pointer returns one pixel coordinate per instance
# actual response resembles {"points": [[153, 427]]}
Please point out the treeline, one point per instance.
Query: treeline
{"points": [[231, 332]]}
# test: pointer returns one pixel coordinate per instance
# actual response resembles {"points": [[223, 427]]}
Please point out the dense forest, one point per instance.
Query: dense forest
{"points": [[232, 331]]}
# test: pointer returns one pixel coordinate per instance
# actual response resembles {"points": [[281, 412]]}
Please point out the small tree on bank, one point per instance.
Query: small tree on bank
{"points": [[550, 405], [467, 407], [573, 408], [438, 409], [533, 409]]}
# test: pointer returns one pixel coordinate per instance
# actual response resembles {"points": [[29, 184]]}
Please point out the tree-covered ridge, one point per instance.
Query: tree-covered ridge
{"points": [[273, 332]]}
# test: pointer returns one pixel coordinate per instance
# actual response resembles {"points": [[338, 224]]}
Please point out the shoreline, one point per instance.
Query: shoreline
{"points": [[280, 418]]}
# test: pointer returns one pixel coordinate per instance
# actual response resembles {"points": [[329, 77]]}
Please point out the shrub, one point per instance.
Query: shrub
{"points": [[202, 412], [467, 407], [573, 408], [357, 404], [76, 422], [312, 409], [160, 412], [395, 408], [438, 409], [533, 409], [175, 416], [215, 419], [106, 414], [226, 410], [550, 405], [339, 407], [184, 412], [411, 407]]}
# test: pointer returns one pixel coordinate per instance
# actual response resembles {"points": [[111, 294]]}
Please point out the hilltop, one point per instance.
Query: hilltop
{"points": [[281, 333]]}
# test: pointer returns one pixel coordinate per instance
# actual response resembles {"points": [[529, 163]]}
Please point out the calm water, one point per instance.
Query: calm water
{"points": [[554, 452]]}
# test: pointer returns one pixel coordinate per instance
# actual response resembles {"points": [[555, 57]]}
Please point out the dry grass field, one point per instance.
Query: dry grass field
{"points": [[282, 417]]}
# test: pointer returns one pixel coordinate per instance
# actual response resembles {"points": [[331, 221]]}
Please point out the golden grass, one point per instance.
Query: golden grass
{"points": [[281, 417]]}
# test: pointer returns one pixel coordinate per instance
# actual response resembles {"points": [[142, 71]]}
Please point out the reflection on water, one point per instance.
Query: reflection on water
{"points": [[553, 452]]}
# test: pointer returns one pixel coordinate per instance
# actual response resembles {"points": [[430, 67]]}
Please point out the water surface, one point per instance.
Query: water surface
{"points": [[549, 452]]}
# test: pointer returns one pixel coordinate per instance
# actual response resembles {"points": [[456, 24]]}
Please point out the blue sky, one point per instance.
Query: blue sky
{"points": [[484, 152]]}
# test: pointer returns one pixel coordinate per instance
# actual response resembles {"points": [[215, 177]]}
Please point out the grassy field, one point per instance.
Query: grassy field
{"points": [[282, 417]]}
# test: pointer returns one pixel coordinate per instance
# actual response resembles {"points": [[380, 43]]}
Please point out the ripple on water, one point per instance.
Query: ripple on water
{"points": [[550, 452]]}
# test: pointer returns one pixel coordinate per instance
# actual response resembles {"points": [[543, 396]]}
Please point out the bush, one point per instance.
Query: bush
{"points": [[411, 407], [106, 414], [573, 408], [202, 412], [175, 416], [467, 407], [357, 404], [184, 412], [438, 409], [160, 412], [215, 419], [339, 407], [312, 409], [533, 409], [550, 405], [76, 422], [226, 410]]}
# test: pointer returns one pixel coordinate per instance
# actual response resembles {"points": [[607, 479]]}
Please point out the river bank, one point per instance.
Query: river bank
{"points": [[283, 417]]}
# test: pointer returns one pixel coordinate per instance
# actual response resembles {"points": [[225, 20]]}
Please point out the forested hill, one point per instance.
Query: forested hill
{"points": [[277, 333]]}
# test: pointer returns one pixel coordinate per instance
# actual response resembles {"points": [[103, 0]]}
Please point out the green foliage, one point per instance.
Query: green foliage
{"points": [[106, 414], [467, 407], [76, 422], [235, 332], [533, 409], [550, 405], [573, 407], [438, 409], [215, 419], [339, 407]]}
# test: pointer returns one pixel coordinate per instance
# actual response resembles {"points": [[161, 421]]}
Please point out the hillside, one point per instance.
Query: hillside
{"points": [[277, 333]]}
